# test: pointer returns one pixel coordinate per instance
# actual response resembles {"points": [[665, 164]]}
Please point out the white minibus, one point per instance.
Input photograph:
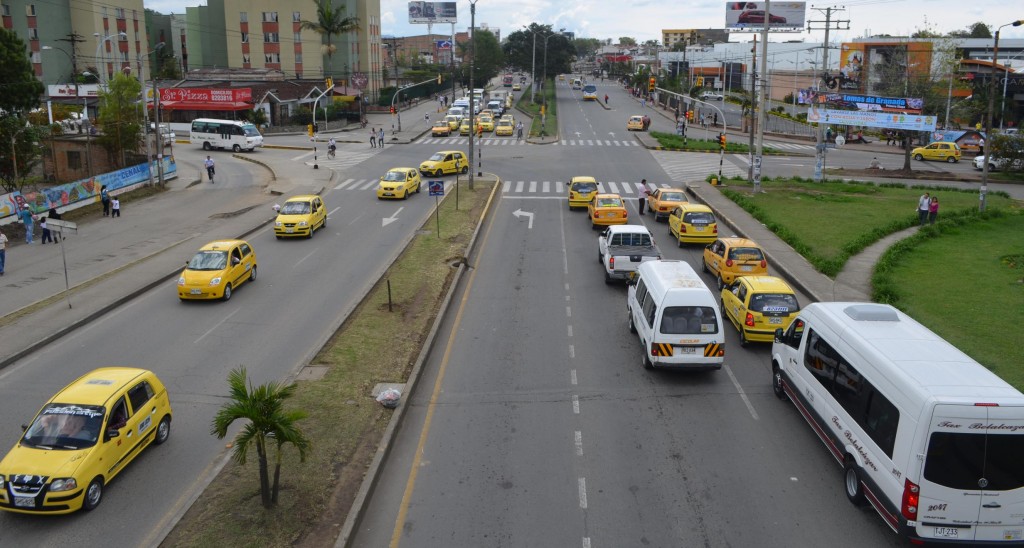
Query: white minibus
{"points": [[225, 134], [929, 437]]}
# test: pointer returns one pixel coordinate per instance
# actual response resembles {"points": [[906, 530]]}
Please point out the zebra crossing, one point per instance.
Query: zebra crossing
{"points": [[511, 141], [345, 156], [550, 189], [790, 146], [690, 167]]}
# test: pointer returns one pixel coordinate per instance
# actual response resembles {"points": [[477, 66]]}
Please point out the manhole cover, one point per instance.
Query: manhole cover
{"points": [[312, 373]]}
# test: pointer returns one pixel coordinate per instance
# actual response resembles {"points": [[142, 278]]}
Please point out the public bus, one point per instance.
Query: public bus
{"points": [[507, 80], [225, 134], [590, 92]]}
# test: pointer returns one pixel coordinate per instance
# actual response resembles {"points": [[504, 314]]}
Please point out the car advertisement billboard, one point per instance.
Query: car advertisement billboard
{"points": [[750, 16], [432, 12]]}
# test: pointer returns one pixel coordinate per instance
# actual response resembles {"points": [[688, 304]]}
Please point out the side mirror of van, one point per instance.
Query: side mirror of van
{"points": [[778, 335]]}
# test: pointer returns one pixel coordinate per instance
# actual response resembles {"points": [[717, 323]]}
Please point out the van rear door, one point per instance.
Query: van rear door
{"points": [[972, 488]]}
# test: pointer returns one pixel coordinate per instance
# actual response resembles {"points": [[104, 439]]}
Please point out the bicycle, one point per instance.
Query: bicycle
{"points": [[330, 153]]}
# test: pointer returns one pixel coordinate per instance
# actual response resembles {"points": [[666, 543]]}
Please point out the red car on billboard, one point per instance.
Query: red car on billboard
{"points": [[757, 16]]}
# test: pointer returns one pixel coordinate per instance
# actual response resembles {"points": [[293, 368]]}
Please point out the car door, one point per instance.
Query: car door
{"points": [[318, 206], [733, 299], [248, 259], [714, 255], [673, 221], [460, 161], [119, 437]]}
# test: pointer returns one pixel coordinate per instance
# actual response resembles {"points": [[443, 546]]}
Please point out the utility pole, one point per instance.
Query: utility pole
{"points": [[472, 62], [753, 107], [74, 39], [819, 164], [761, 98]]}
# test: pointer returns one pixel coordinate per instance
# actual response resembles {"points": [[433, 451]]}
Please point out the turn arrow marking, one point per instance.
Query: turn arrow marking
{"points": [[394, 217], [520, 213]]}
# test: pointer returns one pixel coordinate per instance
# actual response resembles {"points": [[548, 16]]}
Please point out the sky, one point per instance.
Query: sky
{"points": [[644, 19]]}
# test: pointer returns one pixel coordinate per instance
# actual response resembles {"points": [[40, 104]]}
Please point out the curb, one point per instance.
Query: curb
{"points": [[273, 174]]}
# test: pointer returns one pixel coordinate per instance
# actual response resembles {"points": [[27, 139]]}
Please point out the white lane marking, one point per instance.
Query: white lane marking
{"points": [[505, 186], [586, 542], [367, 186], [743, 394], [567, 289], [570, 330], [519, 186], [344, 184], [572, 376], [331, 212], [579, 443], [576, 405], [545, 188], [568, 312], [614, 188], [301, 156], [572, 351], [583, 492], [218, 324], [533, 186], [310, 254], [598, 142]]}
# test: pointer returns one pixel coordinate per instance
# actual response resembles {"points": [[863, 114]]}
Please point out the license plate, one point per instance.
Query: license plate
{"points": [[698, 229], [746, 268], [388, 194], [687, 350], [195, 292], [25, 502], [947, 532], [775, 320], [289, 230]]}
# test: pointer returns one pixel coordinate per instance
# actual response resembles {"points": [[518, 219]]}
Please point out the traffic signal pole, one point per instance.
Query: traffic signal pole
{"points": [[394, 110], [819, 135], [313, 129]]}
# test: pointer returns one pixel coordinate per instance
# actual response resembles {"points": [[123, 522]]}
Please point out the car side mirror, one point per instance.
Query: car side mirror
{"points": [[110, 434], [235, 260], [778, 335], [24, 427]]}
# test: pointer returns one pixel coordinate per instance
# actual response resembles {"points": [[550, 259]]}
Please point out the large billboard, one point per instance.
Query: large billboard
{"points": [[432, 12], [906, 105], [750, 16], [912, 122]]}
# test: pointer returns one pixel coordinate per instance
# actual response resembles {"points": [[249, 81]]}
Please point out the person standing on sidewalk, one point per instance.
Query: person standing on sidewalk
{"points": [[923, 203], [115, 207], [380, 138], [642, 195], [3, 251], [933, 210], [54, 215], [105, 200], [46, 231], [26, 216], [373, 137]]}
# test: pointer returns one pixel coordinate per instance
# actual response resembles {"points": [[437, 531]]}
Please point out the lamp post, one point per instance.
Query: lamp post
{"points": [[543, 81], [988, 113], [99, 51], [1002, 106], [472, 97]]}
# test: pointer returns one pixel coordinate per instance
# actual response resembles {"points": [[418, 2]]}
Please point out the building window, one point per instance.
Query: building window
{"points": [[243, 17], [270, 17], [245, 37], [30, 10], [298, 37], [5, 10], [74, 159], [33, 34], [272, 58], [298, 58], [270, 38], [119, 13], [296, 16], [246, 59], [37, 57]]}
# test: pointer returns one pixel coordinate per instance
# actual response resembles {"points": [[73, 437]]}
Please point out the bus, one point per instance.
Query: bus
{"points": [[225, 134], [507, 80], [590, 92]]}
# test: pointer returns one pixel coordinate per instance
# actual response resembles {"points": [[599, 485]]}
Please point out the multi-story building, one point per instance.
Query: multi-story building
{"points": [[670, 37]]}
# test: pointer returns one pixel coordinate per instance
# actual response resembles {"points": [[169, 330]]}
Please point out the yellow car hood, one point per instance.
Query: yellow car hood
{"points": [[200, 277], [55, 463]]}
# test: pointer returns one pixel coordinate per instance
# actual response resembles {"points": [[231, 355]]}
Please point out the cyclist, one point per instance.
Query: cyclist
{"points": [[209, 167], [331, 147]]}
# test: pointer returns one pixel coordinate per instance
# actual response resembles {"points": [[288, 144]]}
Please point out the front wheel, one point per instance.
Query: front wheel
{"points": [[93, 495], [918, 157], [227, 292], [851, 481]]}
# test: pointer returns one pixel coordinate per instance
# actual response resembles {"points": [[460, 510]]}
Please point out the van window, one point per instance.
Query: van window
{"points": [[689, 320], [959, 461], [641, 291], [649, 309], [794, 334]]}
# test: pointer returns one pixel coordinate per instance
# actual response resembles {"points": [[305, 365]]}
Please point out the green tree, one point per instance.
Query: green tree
{"points": [[626, 41], [21, 89], [490, 59], [268, 422], [586, 47], [330, 22], [19, 143], [167, 67], [120, 117], [977, 30]]}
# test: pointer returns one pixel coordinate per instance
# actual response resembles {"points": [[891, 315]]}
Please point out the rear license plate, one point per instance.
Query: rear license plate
{"points": [[746, 268], [687, 350], [25, 502], [947, 532], [775, 320], [698, 229], [195, 292]]}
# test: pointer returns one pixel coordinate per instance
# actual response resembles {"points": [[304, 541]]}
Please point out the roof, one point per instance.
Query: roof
{"points": [[735, 241], [96, 387], [220, 244], [301, 198], [767, 283]]}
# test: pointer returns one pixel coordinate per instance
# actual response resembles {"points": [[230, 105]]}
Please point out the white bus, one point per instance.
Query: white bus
{"points": [[225, 134]]}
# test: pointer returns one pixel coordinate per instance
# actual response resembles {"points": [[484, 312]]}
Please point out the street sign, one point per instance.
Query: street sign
{"points": [[359, 80], [64, 227], [840, 140], [436, 188]]}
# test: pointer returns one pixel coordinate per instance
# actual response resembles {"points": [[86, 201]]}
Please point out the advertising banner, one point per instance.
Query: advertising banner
{"points": [[71, 90], [432, 12], [851, 67], [749, 16], [910, 122], [207, 95], [906, 105]]}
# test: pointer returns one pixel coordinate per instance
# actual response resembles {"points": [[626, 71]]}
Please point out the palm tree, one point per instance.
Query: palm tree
{"points": [[330, 21], [263, 407]]}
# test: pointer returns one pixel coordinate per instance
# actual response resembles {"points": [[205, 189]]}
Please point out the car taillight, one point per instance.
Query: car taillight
{"points": [[715, 229], [728, 262], [764, 263], [750, 320], [653, 351], [611, 263], [682, 228], [911, 496]]}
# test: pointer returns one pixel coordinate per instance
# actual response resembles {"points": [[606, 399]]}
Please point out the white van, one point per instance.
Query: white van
{"points": [[461, 112], [676, 317], [930, 438]]}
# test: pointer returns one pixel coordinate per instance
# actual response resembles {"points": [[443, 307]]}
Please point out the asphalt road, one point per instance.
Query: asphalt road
{"points": [[537, 426]]}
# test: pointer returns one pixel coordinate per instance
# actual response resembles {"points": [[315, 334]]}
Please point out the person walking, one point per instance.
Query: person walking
{"points": [[380, 138], [373, 137], [27, 217], [115, 207], [208, 162], [3, 251], [923, 204], [605, 98], [933, 209], [54, 215], [981, 147], [46, 231], [642, 195], [105, 200]]}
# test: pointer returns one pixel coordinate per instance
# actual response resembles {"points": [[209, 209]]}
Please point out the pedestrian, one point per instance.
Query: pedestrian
{"points": [[27, 217], [46, 231], [3, 251], [115, 207], [426, 117], [716, 118], [642, 195], [380, 138], [606, 98], [923, 203], [981, 147], [643, 102], [373, 137], [933, 209], [208, 162], [54, 215], [828, 135], [105, 200]]}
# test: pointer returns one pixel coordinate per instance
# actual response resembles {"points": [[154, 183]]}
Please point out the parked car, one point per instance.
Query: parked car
{"points": [[942, 151]]}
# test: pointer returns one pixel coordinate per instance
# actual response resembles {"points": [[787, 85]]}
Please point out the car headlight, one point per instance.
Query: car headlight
{"points": [[215, 281], [278, 223], [181, 280], [303, 223], [63, 484]]}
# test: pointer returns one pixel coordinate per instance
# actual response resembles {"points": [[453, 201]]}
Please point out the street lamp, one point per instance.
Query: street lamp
{"points": [[988, 113], [544, 73], [472, 96], [103, 58]]}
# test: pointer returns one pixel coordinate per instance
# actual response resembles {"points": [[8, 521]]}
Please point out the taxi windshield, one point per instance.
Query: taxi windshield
{"points": [[584, 188], [209, 260], [295, 208], [65, 426], [673, 197], [395, 176], [437, 157], [609, 202]]}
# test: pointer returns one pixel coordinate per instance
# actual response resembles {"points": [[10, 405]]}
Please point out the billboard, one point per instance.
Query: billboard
{"points": [[851, 67], [912, 122], [750, 16], [906, 105], [432, 12]]}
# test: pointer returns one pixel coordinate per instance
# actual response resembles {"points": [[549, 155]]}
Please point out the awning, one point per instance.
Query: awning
{"points": [[199, 105]]}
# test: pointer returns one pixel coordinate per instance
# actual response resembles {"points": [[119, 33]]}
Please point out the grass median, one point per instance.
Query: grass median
{"points": [[532, 108], [677, 142], [375, 344]]}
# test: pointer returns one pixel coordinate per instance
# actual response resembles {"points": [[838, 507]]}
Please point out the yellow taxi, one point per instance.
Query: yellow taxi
{"points": [[561, 77], [441, 129], [663, 200], [464, 127], [81, 439], [758, 305], [942, 151], [504, 128], [399, 182], [606, 209], [635, 123], [517, 87], [727, 258], [487, 123], [217, 269], [692, 223], [581, 191], [508, 102], [509, 118], [453, 122], [300, 216], [485, 112], [444, 162]]}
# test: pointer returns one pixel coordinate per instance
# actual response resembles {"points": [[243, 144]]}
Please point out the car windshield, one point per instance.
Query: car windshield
{"points": [[672, 197], [250, 130], [746, 254], [689, 320], [65, 426], [636, 119], [584, 188], [437, 157], [395, 176], [209, 260], [609, 202], [774, 302], [295, 208], [698, 218]]}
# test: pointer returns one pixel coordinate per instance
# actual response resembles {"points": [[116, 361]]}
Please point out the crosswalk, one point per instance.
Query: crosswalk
{"points": [[511, 141], [790, 146], [551, 189], [691, 167], [346, 156]]}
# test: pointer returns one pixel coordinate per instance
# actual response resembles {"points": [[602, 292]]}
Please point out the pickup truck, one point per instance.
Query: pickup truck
{"points": [[621, 249]]}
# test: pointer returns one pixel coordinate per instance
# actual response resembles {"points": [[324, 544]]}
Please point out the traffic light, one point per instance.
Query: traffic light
{"points": [[438, 79], [392, 109], [721, 141], [651, 83], [700, 81], [689, 116], [309, 129], [329, 82]]}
